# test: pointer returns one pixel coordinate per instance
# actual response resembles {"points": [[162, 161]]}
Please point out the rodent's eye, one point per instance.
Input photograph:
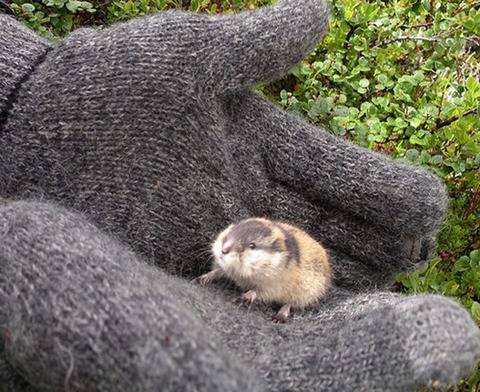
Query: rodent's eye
{"points": [[252, 245]]}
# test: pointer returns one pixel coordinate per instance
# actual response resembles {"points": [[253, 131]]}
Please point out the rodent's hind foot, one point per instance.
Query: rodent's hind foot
{"points": [[208, 277], [282, 314], [249, 297]]}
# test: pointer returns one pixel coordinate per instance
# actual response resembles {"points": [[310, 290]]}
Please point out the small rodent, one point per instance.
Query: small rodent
{"points": [[274, 262]]}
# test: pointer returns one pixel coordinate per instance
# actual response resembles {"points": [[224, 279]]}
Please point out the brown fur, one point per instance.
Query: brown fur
{"points": [[304, 281]]}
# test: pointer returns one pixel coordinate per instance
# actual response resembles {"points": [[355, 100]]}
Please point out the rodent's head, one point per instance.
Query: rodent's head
{"points": [[252, 248]]}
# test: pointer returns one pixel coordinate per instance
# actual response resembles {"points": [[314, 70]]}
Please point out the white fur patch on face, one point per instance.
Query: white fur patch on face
{"points": [[250, 264], [230, 263], [217, 246], [261, 260], [217, 249]]}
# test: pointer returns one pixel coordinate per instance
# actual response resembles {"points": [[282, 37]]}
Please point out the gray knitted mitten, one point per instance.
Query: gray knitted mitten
{"points": [[151, 131], [82, 313]]}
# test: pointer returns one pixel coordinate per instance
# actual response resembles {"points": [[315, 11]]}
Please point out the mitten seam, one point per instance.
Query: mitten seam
{"points": [[13, 95]]}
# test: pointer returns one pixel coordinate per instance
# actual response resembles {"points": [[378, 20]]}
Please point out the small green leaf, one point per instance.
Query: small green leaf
{"points": [[425, 157], [364, 83], [472, 85], [416, 122], [343, 99], [420, 138], [418, 77], [27, 7], [412, 155], [473, 24], [450, 288], [436, 160], [462, 264], [400, 122], [382, 78], [430, 110], [72, 6], [475, 256], [475, 309]]}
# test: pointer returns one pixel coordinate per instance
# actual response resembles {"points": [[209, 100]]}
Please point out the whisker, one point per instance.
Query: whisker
{"points": [[205, 254], [196, 253]]}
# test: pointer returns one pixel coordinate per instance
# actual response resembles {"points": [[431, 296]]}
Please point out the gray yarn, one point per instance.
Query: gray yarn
{"points": [[149, 131], [20, 51]]}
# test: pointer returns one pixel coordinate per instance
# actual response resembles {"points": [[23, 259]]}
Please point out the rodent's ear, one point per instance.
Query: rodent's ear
{"points": [[277, 240], [277, 245]]}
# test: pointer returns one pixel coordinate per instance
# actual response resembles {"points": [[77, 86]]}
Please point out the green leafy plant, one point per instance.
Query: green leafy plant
{"points": [[56, 18], [53, 18], [125, 9]]}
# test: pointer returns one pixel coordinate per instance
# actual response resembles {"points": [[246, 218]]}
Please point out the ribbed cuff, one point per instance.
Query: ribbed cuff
{"points": [[20, 51]]}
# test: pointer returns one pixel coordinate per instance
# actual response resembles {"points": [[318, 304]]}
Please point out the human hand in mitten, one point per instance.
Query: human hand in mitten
{"points": [[148, 128], [80, 312]]}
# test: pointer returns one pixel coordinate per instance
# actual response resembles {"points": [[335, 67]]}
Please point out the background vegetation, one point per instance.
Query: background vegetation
{"points": [[397, 76]]}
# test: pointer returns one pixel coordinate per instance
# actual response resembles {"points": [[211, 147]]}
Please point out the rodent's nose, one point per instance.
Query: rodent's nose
{"points": [[226, 250]]}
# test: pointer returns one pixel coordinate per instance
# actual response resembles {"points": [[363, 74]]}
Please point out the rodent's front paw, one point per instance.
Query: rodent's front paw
{"points": [[249, 296], [208, 277], [282, 314], [279, 319], [202, 279]]}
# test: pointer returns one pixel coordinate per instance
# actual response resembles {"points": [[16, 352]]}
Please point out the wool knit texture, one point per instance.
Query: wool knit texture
{"points": [[20, 51], [143, 141]]}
